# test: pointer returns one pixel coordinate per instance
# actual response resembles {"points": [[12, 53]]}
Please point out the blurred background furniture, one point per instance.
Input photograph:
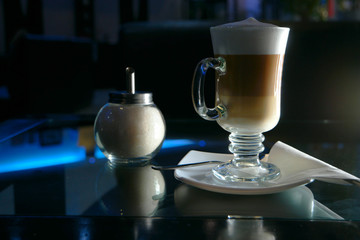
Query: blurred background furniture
{"points": [[50, 74], [48, 68]]}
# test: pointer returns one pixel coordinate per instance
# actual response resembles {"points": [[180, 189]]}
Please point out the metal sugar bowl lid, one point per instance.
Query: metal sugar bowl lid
{"points": [[131, 96]]}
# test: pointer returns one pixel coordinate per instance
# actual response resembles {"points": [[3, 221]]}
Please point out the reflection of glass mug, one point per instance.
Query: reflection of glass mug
{"points": [[248, 64]]}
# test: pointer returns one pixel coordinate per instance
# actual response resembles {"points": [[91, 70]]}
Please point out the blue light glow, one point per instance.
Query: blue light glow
{"points": [[98, 154], [92, 160], [202, 143], [167, 144], [28, 153], [175, 143], [48, 156]]}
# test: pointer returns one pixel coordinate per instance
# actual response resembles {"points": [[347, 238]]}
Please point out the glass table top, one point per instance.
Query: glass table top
{"points": [[52, 167]]}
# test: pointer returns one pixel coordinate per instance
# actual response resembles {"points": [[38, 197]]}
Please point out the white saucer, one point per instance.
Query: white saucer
{"points": [[202, 177]]}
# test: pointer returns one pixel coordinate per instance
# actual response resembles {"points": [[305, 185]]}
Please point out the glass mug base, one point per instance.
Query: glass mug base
{"points": [[246, 165], [230, 173]]}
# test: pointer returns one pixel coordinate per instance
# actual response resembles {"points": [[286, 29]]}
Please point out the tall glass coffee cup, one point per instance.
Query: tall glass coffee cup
{"points": [[248, 65]]}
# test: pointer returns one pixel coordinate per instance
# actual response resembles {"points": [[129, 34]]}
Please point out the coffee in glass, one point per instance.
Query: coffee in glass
{"points": [[248, 64]]}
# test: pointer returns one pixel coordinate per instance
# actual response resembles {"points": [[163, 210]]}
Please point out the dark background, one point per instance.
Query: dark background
{"points": [[65, 58]]}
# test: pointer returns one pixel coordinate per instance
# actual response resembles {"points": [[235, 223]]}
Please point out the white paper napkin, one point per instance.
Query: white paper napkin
{"points": [[302, 165], [296, 168]]}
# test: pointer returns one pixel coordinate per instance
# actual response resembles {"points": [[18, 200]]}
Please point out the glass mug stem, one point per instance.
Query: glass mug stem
{"points": [[246, 149], [246, 165]]}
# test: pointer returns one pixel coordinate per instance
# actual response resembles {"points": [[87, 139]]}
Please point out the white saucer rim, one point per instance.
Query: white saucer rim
{"points": [[241, 191], [275, 188]]}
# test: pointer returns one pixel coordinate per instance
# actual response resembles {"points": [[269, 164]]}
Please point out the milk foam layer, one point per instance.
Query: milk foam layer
{"points": [[249, 37]]}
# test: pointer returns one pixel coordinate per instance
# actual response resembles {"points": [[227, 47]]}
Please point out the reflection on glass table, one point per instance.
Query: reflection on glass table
{"points": [[89, 186], [137, 189], [296, 203]]}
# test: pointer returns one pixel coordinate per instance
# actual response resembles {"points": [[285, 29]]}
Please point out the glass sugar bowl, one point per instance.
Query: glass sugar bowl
{"points": [[129, 128]]}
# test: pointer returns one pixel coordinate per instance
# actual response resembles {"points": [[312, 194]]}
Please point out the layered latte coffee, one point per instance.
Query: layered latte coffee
{"points": [[250, 89]]}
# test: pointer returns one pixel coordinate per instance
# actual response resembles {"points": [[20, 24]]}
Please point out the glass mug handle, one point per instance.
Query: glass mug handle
{"points": [[198, 98]]}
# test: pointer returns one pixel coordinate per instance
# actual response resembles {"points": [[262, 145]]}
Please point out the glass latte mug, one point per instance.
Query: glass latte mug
{"points": [[248, 66]]}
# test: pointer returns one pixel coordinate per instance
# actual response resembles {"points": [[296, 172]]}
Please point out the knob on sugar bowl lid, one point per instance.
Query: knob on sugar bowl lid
{"points": [[129, 128], [131, 96]]}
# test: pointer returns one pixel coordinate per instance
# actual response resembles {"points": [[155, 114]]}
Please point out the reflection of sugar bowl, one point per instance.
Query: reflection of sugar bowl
{"points": [[130, 190], [130, 127]]}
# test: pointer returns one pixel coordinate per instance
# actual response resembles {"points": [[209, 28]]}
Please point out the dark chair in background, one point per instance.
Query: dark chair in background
{"points": [[50, 74], [322, 72]]}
